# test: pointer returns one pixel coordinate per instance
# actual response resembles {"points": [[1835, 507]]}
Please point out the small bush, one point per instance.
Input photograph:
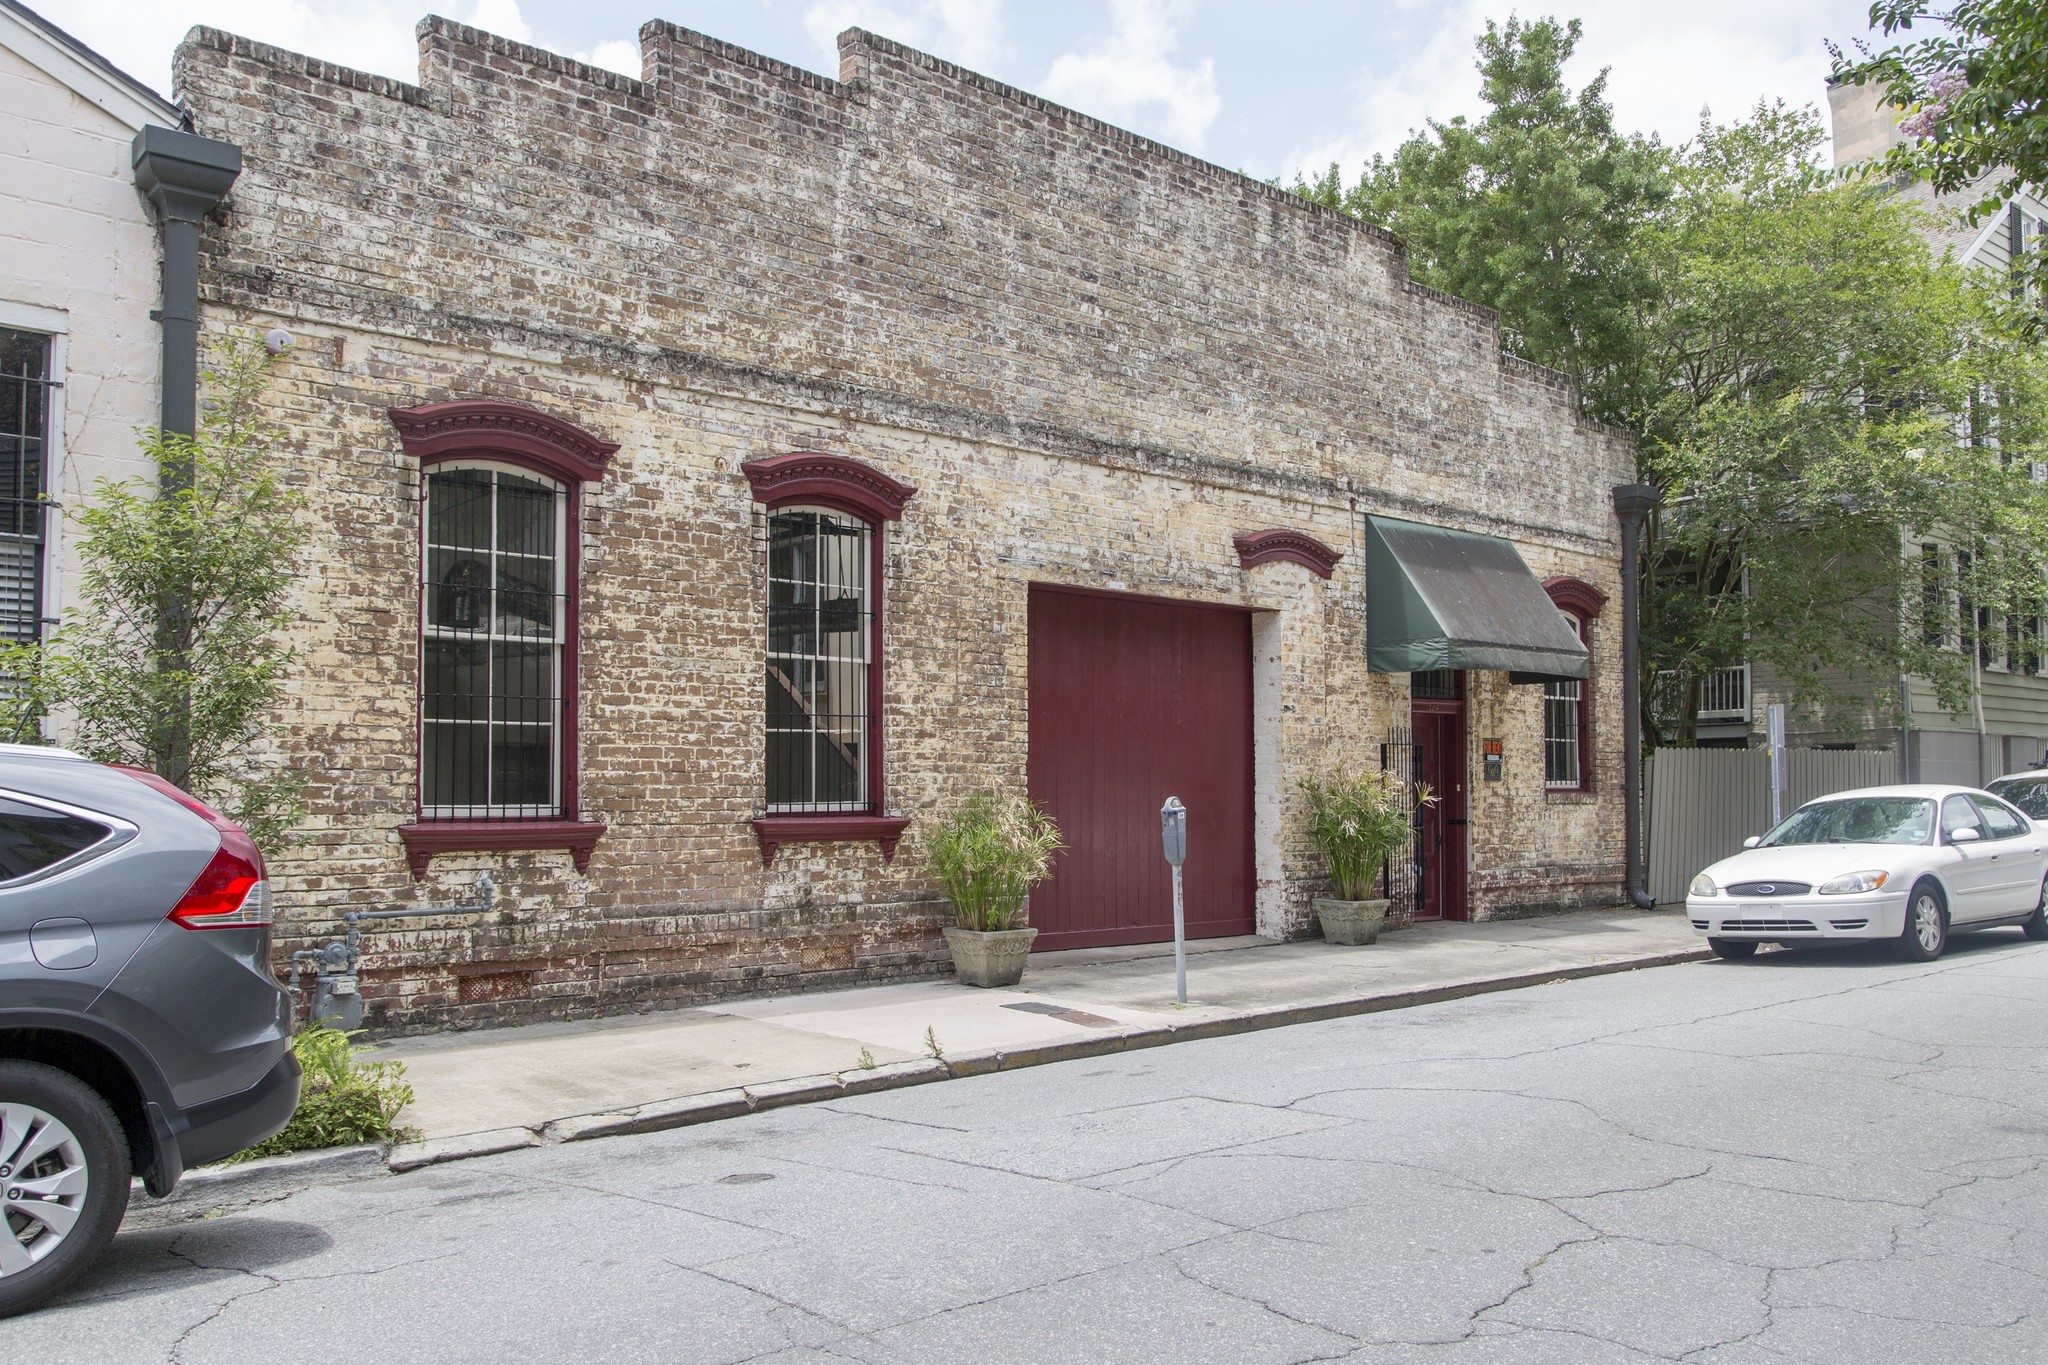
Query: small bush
{"points": [[989, 854], [1357, 821], [341, 1101]]}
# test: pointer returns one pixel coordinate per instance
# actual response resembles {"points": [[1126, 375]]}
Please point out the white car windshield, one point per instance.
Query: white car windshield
{"points": [[1859, 820]]}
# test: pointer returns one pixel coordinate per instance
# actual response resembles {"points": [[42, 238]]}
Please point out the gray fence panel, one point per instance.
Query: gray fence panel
{"points": [[1820, 772], [1705, 802]]}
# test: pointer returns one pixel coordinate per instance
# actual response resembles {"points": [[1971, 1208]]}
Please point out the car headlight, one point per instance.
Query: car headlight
{"points": [[1703, 885], [1854, 883]]}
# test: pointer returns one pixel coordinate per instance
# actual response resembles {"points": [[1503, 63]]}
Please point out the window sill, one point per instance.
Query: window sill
{"points": [[776, 830], [1569, 796], [429, 837]]}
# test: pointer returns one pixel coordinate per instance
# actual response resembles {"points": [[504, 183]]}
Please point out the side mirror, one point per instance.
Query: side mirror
{"points": [[1752, 841], [1966, 835]]}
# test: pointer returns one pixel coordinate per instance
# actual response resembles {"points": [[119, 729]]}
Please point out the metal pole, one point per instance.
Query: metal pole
{"points": [[1774, 743], [1180, 943], [1173, 836], [1632, 501]]}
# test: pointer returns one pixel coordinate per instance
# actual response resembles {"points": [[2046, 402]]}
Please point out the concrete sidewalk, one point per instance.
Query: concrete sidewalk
{"points": [[497, 1090]]}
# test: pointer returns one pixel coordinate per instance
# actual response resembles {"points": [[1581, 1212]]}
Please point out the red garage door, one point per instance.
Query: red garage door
{"points": [[1134, 700]]}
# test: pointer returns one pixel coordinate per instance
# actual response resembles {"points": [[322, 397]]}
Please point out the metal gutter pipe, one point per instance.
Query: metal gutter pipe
{"points": [[1632, 502], [184, 175]]}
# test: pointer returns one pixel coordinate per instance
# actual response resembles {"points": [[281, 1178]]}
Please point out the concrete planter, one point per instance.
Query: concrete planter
{"points": [[1351, 922], [989, 959]]}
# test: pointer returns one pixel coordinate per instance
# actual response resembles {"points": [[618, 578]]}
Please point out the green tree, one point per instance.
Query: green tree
{"points": [[1976, 90], [1533, 209], [175, 659], [1814, 391]]}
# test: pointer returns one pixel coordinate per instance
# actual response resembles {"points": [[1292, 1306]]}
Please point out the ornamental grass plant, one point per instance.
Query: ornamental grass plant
{"points": [[1357, 821], [989, 854]]}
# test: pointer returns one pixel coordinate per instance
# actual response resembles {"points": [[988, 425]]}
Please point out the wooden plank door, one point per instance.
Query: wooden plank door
{"points": [[1134, 700]]}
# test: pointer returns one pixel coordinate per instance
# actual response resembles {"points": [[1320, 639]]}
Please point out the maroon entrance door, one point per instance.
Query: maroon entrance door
{"points": [[1439, 720], [1134, 700]]}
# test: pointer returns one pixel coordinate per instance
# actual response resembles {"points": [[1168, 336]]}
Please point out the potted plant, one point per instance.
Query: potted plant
{"points": [[988, 855], [1357, 821]]}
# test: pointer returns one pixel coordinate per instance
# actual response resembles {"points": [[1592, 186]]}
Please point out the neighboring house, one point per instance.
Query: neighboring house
{"points": [[78, 281], [2005, 727], [639, 416]]}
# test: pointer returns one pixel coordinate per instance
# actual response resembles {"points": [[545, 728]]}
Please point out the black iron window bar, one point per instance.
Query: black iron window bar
{"points": [[491, 700], [820, 624], [26, 393]]}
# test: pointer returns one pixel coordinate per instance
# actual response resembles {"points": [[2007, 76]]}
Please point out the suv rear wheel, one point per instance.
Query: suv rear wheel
{"points": [[63, 1181]]}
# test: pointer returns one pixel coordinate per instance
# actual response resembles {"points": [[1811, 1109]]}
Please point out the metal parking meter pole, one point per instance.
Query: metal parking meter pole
{"points": [[1173, 833], [1774, 742]]}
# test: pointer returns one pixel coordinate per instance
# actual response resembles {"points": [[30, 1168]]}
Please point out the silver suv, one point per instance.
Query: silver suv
{"points": [[141, 1030]]}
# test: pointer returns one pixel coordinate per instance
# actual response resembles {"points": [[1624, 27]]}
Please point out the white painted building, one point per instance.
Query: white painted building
{"points": [[79, 265]]}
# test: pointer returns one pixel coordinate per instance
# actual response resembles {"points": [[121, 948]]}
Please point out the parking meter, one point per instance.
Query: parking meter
{"points": [[1173, 830], [1173, 835]]}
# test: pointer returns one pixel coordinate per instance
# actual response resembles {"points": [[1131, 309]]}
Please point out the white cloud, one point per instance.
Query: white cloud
{"points": [[1667, 62], [968, 33], [622, 57], [1129, 77], [501, 17], [370, 35]]}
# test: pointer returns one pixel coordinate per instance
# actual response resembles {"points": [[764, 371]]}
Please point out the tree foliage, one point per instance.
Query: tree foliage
{"points": [[1976, 88], [175, 659], [1812, 390], [1533, 209]]}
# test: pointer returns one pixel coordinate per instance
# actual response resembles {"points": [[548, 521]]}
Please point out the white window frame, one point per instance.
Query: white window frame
{"points": [[55, 324]]}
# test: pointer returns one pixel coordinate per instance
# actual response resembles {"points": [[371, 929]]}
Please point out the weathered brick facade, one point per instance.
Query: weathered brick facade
{"points": [[1096, 358]]}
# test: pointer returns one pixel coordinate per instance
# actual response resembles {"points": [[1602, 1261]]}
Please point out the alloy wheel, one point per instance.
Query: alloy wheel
{"points": [[1927, 922], [43, 1185]]}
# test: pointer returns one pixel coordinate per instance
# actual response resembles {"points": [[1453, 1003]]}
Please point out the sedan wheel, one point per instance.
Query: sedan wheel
{"points": [[63, 1181], [2035, 926], [1926, 930]]}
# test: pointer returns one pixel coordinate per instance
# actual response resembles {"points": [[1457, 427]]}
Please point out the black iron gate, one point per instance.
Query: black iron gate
{"points": [[1401, 878]]}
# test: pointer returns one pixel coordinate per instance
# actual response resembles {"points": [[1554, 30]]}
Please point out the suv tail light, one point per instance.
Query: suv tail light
{"points": [[232, 891]]}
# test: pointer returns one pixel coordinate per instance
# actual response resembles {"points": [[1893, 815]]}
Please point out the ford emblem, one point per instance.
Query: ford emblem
{"points": [[1765, 889]]}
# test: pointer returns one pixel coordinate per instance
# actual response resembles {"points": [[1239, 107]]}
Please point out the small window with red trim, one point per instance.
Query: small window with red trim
{"points": [[1567, 758]]}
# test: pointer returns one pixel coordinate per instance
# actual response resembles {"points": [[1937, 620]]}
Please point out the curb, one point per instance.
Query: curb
{"points": [[211, 1191], [206, 1194]]}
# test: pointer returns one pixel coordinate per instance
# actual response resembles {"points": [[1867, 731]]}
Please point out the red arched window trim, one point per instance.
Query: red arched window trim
{"points": [[525, 438], [1294, 547], [480, 429], [1576, 596], [829, 481], [844, 485]]}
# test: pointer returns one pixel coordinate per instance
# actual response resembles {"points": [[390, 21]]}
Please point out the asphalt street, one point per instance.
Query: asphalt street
{"points": [[1808, 1157]]}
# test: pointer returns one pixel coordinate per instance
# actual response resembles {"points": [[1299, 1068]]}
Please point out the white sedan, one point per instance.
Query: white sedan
{"points": [[1907, 864]]}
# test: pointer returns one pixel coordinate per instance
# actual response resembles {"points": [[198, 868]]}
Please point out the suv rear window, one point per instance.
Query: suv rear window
{"points": [[33, 837]]}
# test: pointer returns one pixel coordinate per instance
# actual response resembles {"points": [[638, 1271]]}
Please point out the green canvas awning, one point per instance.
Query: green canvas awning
{"points": [[1437, 598]]}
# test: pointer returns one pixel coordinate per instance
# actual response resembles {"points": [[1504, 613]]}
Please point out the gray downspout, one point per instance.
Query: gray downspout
{"points": [[184, 175], [1632, 501]]}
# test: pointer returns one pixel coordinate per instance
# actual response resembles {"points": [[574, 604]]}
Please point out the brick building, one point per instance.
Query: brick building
{"points": [[719, 474]]}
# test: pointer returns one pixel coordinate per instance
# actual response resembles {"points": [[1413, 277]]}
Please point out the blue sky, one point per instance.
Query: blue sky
{"points": [[1269, 88]]}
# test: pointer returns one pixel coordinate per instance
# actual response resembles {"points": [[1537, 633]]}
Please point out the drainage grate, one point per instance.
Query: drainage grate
{"points": [[1062, 1013]]}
